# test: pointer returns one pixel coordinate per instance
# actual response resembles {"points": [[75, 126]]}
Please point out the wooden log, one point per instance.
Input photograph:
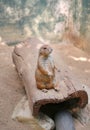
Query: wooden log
{"points": [[25, 59]]}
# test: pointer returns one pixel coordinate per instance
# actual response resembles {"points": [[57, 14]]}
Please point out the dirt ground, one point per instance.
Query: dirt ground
{"points": [[12, 90]]}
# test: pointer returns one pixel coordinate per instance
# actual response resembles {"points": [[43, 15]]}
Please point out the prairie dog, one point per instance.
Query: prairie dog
{"points": [[45, 71]]}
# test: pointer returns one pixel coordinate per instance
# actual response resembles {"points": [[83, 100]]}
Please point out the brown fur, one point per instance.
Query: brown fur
{"points": [[45, 71]]}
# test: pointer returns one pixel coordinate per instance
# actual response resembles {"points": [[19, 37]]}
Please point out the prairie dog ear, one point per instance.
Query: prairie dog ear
{"points": [[51, 49]]}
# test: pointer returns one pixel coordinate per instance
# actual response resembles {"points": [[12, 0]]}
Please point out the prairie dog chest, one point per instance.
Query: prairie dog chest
{"points": [[47, 62]]}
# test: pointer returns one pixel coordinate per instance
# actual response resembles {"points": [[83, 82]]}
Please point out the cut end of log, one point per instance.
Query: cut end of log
{"points": [[76, 99]]}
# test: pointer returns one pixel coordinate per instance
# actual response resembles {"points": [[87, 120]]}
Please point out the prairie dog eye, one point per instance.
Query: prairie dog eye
{"points": [[45, 48]]}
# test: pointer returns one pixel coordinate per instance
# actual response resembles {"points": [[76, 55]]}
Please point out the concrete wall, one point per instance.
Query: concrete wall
{"points": [[46, 19]]}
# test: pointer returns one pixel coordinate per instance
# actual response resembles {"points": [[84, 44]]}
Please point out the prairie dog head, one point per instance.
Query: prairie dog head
{"points": [[45, 50]]}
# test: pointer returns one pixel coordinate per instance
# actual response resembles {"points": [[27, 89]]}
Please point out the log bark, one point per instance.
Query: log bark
{"points": [[25, 59]]}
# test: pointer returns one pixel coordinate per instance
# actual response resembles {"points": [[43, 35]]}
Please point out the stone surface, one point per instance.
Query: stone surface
{"points": [[23, 114]]}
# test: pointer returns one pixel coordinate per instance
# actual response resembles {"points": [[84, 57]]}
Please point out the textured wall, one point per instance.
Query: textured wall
{"points": [[47, 19]]}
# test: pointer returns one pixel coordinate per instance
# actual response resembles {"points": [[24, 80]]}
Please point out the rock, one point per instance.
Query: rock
{"points": [[84, 115], [22, 113]]}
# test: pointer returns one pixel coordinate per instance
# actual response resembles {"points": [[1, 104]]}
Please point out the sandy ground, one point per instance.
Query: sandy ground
{"points": [[12, 90]]}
